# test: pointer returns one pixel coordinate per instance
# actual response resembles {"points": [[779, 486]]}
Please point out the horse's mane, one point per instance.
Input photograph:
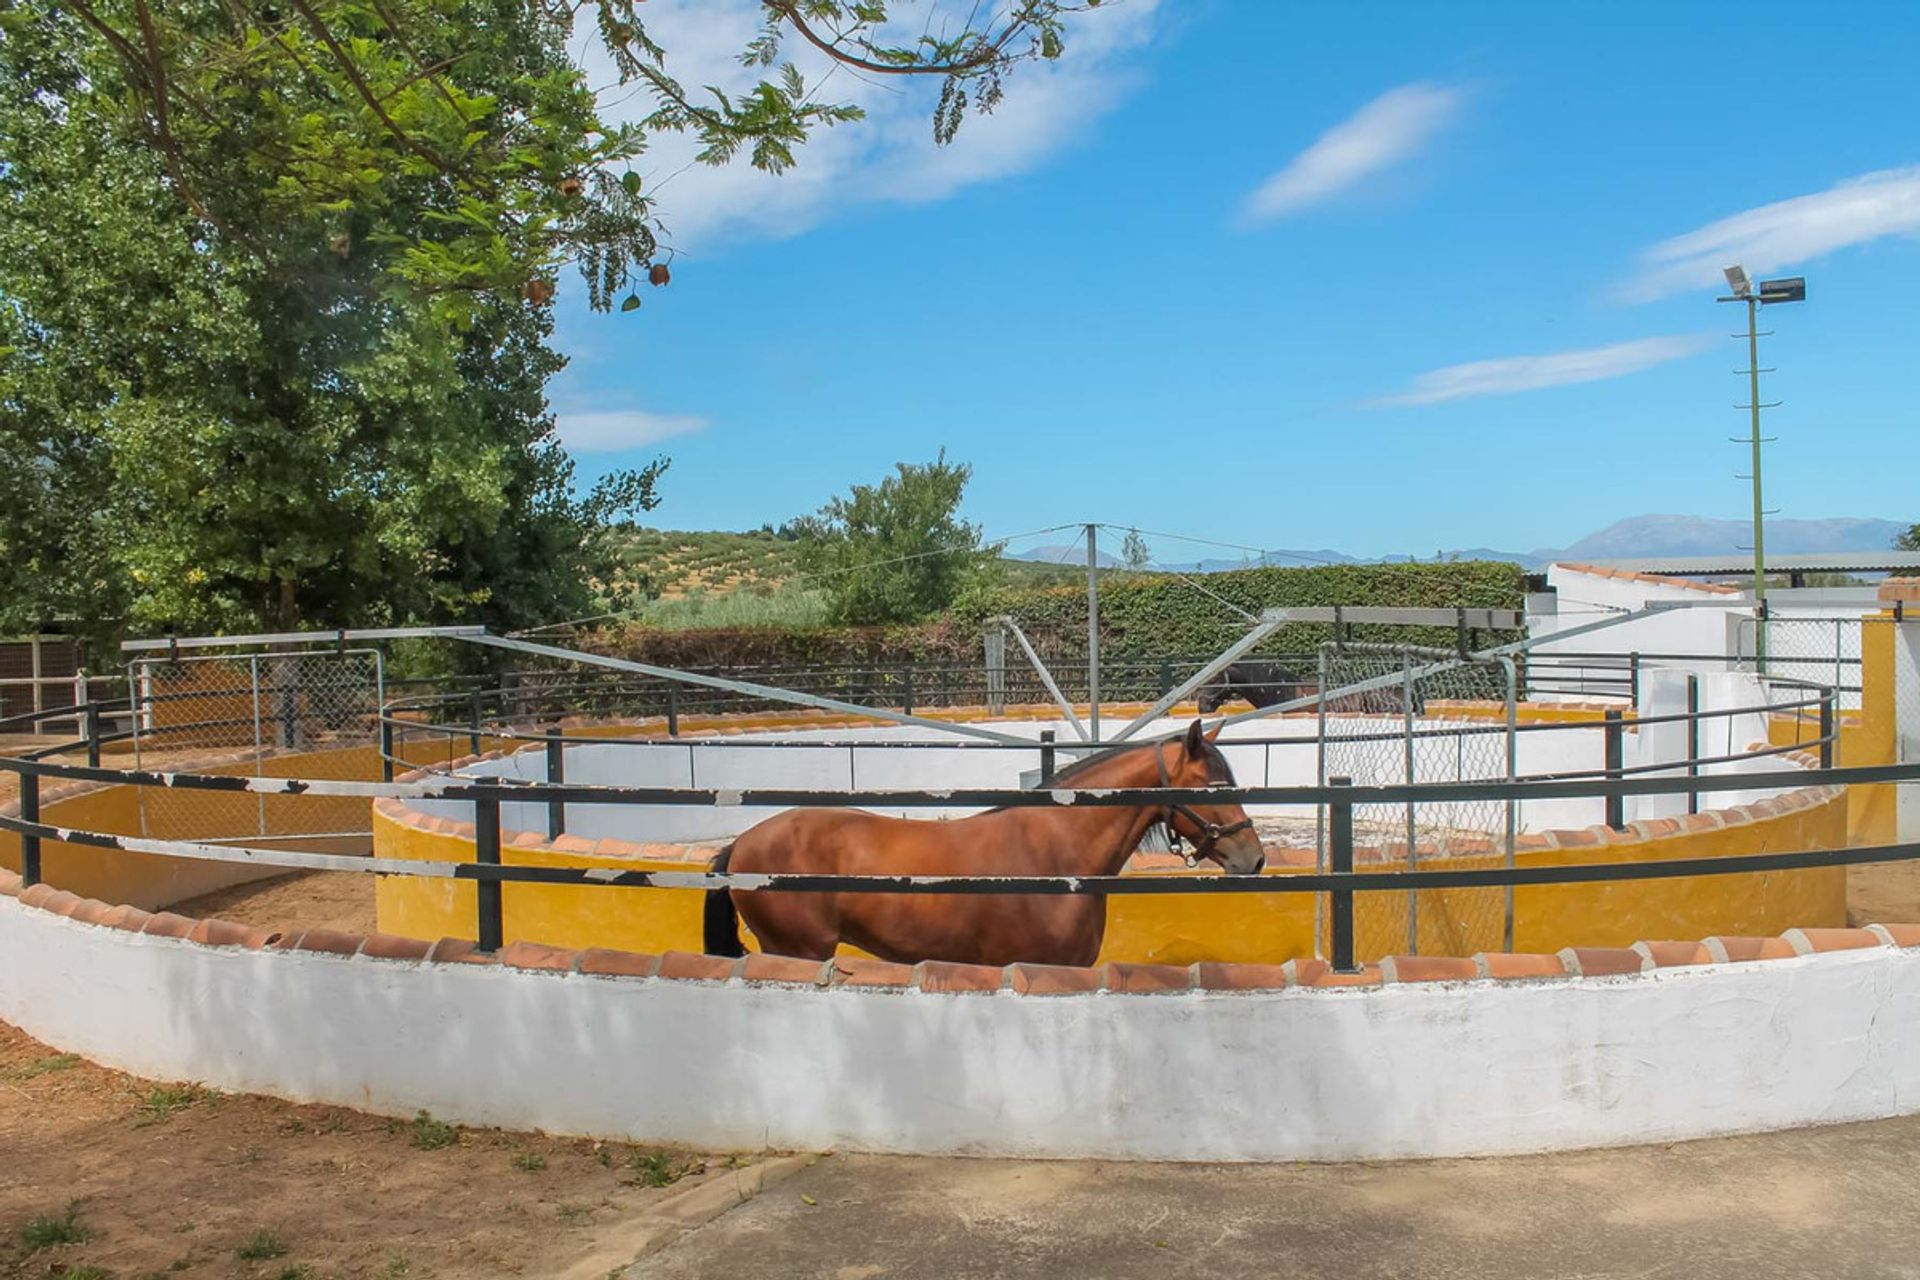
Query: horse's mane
{"points": [[1217, 768]]}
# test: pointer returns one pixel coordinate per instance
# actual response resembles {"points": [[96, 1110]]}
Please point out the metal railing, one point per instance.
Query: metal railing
{"points": [[1340, 883], [1613, 784]]}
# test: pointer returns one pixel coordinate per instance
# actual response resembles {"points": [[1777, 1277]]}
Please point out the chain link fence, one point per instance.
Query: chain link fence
{"points": [[1431, 718], [239, 713], [1905, 642], [1824, 651]]}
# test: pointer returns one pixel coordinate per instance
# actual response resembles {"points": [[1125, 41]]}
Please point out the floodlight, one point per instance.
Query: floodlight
{"points": [[1790, 289], [1737, 280]]}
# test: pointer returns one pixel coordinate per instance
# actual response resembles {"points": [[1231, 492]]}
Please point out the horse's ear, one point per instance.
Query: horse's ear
{"points": [[1213, 734], [1195, 745]]}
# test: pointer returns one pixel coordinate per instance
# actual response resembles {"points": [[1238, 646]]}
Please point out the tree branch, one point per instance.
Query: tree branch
{"points": [[985, 55], [148, 67], [360, 86], [431, 73]]}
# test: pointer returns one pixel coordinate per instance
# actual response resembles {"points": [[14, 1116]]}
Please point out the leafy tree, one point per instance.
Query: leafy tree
{"points": [[1908, 541], [1134, 550], [276, 283], [896, 551]]}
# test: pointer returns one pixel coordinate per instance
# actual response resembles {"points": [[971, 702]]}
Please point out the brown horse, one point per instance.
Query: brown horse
{"points": [[1029, 840]]}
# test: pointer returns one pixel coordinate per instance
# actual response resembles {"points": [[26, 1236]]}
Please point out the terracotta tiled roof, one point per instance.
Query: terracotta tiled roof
{"points": [[1658, 579]]}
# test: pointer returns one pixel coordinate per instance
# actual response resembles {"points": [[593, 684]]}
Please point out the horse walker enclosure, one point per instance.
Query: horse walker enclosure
{"points": [[1503, 907]]}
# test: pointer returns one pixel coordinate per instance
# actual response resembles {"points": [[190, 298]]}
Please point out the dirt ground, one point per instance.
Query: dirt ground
{"points": [[103, 1175], [1884, 893], [310, 899]]}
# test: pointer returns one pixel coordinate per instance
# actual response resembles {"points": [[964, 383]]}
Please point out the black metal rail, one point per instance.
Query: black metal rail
{"points": [[1612, 784]]}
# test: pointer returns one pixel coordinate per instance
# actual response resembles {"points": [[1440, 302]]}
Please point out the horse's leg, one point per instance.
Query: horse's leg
{"points": [[790, 924]]}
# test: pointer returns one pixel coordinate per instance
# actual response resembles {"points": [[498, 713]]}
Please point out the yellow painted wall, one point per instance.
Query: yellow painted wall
{"points": [[1173, 929], [151, 881], [1241, 927]]}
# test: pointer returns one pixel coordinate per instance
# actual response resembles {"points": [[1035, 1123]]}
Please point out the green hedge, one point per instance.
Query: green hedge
{"points": [[1149, 615], [1143, 616]]}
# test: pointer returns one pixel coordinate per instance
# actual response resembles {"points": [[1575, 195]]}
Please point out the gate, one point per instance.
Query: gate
{"points": [[1906, 719], [1427, 716], [237, 713]]}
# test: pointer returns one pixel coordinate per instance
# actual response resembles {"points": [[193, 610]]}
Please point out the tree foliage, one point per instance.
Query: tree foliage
{"points": [[241, 404], [1908, 541], [276, 280], [897, 551]]}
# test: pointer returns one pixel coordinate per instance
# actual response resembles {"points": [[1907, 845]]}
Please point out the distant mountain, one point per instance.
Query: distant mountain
{"points": [[1637, 537], [1642, 536], [1069, 555]]}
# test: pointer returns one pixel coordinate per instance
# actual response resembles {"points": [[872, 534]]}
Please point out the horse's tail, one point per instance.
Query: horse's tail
{"points": [[722, 920]]}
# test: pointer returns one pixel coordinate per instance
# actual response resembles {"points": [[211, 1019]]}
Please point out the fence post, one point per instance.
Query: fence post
{"points": [[1046, 756], [1693, 740], [1826, 728], [93, 734], [486, 852], [287, 684], [1616, 755], [473, 722], [1340, 833], [1166, 677], [386, 746], [1413, 830], [673, 708], [906, 678], [556, 774], [1633, 679], [29, 843], [996, 645]]}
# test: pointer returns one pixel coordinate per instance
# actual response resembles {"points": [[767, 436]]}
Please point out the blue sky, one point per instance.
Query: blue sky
{"points": [[1300, 275]]}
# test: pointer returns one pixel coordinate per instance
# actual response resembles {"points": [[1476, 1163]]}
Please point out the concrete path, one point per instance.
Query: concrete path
{"points": [[1837, 1202]]}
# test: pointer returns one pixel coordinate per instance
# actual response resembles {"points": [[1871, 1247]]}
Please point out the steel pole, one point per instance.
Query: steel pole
{"points": [[1340, 824], [1759, 512], [1093, 631], [486, 852]]}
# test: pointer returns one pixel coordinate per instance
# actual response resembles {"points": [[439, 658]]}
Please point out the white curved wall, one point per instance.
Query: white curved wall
{"points": [[703, 762], [1398, 1071]]}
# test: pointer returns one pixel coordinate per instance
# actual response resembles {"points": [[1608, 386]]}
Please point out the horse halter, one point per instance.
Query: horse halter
{"points": [[1211, 833]]}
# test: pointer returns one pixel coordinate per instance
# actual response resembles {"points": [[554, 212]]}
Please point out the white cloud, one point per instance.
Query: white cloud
{"points": [[1529, 373], [887, 157], [1379, 135], [621, 429], [1782, 234]]}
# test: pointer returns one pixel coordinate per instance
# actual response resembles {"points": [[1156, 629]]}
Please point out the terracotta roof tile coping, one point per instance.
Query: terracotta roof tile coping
{"points": [[1657, 579], [939, 977]]}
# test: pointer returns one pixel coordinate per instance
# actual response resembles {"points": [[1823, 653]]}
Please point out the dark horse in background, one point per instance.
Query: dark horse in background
{"points": [[1266, 684]]}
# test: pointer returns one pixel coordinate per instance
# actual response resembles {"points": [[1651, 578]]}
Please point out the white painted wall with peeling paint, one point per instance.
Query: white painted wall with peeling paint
{"points": [[1403, 1071]]}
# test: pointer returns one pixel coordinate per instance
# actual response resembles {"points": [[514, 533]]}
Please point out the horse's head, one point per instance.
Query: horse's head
{"points": [[1220, 832], [1214, 694]]}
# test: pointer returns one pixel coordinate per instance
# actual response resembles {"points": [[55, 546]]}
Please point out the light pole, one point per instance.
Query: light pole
{"points": [[1093, 631], [1790, 289]]}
